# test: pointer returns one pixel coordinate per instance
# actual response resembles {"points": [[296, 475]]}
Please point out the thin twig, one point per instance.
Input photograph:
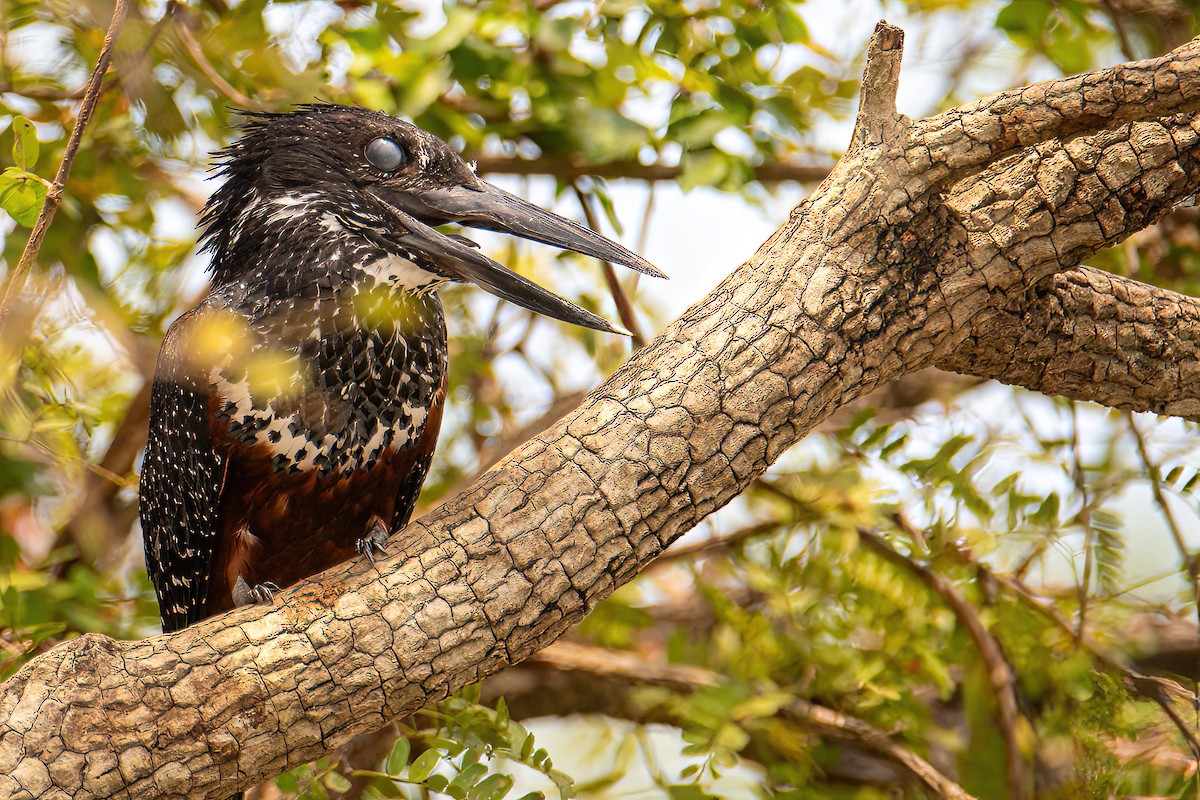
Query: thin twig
{"points": [[999, 672], [1044, 541], [1191, 561], [16, 280], [1147, 686], [643, 236], [42, 93], [59, 95], [100, 490], [569, 170], [954, 76], [717, 542], [1119, 27], [624, 306], [569, 656], [205, 66], [1085, 519]]}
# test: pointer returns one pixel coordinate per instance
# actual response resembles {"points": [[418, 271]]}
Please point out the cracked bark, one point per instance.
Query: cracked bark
{"points": [[954, 240]]}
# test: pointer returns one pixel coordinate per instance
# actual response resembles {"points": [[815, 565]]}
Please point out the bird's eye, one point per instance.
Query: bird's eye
{"points": [[385, 154]]}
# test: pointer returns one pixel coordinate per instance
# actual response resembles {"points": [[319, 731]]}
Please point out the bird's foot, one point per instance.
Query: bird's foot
{"points": [[375, 542], [246, 595]]}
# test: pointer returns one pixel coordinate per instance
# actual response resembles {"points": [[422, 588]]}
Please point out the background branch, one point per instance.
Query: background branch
{"points": [[999, 672], [91, 95], [568, 170], [572, 657]]}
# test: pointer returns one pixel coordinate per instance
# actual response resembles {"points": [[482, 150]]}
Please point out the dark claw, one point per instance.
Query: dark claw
{"points": [[246, 595], [375, 542]]}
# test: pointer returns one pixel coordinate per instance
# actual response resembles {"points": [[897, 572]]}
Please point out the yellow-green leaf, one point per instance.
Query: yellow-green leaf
{"points": [[25, 143]]}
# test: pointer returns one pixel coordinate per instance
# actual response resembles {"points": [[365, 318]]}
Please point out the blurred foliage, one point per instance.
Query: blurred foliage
{"points": [[1043, 517], [456, 755]]}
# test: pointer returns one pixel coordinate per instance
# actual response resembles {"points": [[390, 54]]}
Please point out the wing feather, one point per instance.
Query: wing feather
{"points": [[182, 479]]}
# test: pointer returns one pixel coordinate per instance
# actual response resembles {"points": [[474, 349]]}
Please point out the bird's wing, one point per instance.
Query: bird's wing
{"points": [[182, 479]]}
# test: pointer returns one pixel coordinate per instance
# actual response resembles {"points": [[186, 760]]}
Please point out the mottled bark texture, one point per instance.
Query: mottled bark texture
{"points": [[953, 240]]}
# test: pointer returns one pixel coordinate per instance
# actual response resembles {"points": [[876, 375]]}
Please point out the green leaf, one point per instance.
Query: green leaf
{"points": [[493, 787], [423, 767], [288, 782], [688, 791], [22, 195], [398, 758], [702, 168], [1023, 16], [600, 192], [501, 713], [1047, 512], [469, 776], [25, 143], [337, 782], [697, 131], [526, 746]]}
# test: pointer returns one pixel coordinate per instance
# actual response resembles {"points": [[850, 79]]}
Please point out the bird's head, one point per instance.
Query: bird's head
{"points": [[381, 184]]}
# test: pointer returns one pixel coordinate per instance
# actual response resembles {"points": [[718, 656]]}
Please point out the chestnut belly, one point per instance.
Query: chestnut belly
{"points": [[281, 526]]}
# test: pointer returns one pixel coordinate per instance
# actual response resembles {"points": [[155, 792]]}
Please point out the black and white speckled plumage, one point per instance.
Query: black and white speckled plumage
{"points": [[364, 349], [181, 483], [317, 412]]}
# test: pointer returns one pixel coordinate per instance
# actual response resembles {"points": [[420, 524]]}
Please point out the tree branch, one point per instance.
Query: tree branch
{"points": [[1090, 335], [999, 672], [966, 138], [877, 274], [877, 116], [625, 310], [569, 170], [91, 95], [569, 656]]}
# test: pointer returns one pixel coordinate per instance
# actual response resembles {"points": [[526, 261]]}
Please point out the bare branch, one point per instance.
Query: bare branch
{"points": [[631, 667], [196, 51], [1090, 335], [1191, 560], [877, 117], [16, 279], [570, 170], [1151, 687], [999, 672], [625, 308], [715, 543]]}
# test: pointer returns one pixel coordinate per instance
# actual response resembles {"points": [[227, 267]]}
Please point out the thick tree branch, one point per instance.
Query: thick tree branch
{"points": [[876, 275], [1090, 335], [966, 138]]}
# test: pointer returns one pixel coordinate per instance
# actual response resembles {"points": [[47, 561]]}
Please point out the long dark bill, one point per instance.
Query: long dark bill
{"points": [[448, 255], [491, 208]]}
